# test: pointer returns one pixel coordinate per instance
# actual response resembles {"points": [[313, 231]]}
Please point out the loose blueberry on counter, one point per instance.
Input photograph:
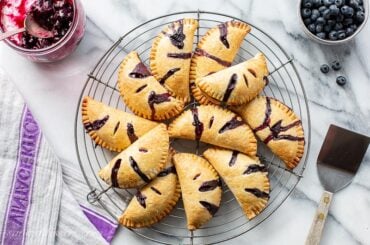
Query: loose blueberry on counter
{"points": [[341, 80], [324, 68], [336, 65]]}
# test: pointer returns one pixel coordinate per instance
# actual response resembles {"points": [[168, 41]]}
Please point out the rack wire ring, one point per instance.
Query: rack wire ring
{"points": [[230, 222]]}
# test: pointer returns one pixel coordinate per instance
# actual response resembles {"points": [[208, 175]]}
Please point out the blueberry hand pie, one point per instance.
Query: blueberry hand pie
{"points": [[238, 84], [214, 125], [140, 162], [154, 201], [245, 176], [277, 126], [112, 128], [216, 51], [143, 94], [200, 188], [170, 57]]}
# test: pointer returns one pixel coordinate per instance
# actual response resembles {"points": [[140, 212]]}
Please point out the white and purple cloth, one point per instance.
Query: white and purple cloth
{"points": [[42, 199]]}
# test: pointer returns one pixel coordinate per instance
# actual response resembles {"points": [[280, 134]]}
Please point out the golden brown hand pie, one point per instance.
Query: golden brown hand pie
{"points": [[143, 94], [245, 176], [140, 162], [112, 128], [277, 126], [154, 201], [216, 51], [238, 84], [200, 188], [216, 126], [170, 57]]}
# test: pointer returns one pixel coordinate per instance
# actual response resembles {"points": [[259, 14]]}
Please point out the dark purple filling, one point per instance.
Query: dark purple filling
{"points": [[155, 190], [211, 122], [96, 125], [255, 168], [140, 71], [179, 55], [178, 36], [197, 124], [167, 171], [212, 209], [143, 150], [201, 52], [267, 119], [266, 80], [168, 75], [141, 88], [230, 87], [141, 199], [136, 168], [233, 123], [114, 173], [246, 80], [116, 128], [233, 158], [131, 133], [223, 34], [210, 185], [258, 193], [157, 99], [55, 16]]}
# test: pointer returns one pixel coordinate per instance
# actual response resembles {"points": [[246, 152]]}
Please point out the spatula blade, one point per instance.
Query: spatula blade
{"points": [[340, 157]]}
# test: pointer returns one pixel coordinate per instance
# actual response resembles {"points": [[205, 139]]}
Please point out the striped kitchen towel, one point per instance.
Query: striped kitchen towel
{"points": [[42, 200]]}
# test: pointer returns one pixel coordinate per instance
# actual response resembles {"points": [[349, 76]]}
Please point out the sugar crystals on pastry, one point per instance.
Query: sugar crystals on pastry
{"points": [[200, 188], [237, 84], [245, 176], [276, 125], [170, 57], [143, 94], [112, 128], [140, 162], [216, 51]]}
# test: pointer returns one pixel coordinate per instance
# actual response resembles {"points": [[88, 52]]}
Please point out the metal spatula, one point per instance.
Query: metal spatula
{"points": [[338, 161]]}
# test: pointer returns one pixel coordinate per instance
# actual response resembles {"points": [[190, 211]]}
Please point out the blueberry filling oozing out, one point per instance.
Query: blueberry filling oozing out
{"points": [[157, 99], [140, 71], [52, 15]]}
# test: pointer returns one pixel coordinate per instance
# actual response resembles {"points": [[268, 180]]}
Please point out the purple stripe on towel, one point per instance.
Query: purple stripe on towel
{"points": [[17, 212], [106, 227]]}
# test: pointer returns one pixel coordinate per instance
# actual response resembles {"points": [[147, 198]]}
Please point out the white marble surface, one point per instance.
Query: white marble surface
{"points": [[52, 92]]}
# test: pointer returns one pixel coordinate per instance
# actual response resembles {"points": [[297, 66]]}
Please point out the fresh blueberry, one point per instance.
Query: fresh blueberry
{"points": [[307, 21], [349, 31], [339, 3], [360, 17], [347, 22], [353, 3], [320, 20], [307, 4], [319, 28], [339, 18], [331, 22], [322, 9], [326, 14], [360, 8], [321, 35], [328, 2], [341, 34], [347, 11], [336, 65], [316, 3], [333, 35], [327, 28], [341, 80], [334, 10], [324, 68], [315, 14], [353, 27], [338, 26], [306, 13], [312, 28]]}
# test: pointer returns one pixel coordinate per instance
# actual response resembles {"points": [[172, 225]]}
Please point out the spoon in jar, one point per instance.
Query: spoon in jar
{"points": [[31, 27]]}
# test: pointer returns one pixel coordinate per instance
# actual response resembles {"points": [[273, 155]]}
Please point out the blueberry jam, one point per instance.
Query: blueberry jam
{"points": [[333, 19], [52, 15], [157, 99]]}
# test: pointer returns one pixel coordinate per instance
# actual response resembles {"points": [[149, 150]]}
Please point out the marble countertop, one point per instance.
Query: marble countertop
{"points": [[52, 92]]}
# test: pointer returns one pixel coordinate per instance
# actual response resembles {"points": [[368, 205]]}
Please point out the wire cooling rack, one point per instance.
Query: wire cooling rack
{"points": [[229, 222]]}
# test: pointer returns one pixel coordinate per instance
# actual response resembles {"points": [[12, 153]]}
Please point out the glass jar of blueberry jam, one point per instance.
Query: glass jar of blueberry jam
{"points": [[65, 18]]}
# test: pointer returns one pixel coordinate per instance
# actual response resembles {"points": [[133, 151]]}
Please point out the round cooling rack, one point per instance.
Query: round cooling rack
{"points": [[229, 222]]}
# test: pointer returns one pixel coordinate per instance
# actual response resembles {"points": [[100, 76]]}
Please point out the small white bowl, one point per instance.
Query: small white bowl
{"points": [[329, 42]]}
